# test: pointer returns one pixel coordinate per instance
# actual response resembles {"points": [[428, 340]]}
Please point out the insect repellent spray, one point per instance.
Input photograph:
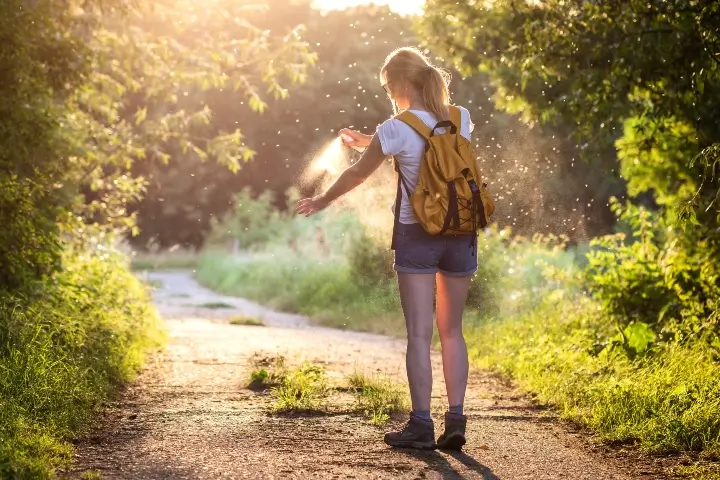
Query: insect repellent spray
{"points": [[346, 139]]}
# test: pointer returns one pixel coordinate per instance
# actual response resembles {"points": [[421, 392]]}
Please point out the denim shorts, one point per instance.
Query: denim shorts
{"points": [[416, 251]]}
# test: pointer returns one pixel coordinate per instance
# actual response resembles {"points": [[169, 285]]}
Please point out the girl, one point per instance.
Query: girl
{"points": [[422, 261]]}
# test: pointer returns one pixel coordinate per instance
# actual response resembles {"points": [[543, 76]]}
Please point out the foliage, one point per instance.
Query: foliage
{"points": [[168, 114], [62, 351], [599, 65], [515, 274], [370, 262], [90, 89], [649, 279], [175, 259], [252, 221], [664, 403], [266, 371], [38, 65], [87, 89]]}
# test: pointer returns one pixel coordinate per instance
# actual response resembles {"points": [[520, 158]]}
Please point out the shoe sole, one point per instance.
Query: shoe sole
{"points": [[414, 445], [453, 442]]}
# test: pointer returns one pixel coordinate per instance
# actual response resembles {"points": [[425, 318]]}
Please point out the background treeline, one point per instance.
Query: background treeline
{"points": [[537, 171]]}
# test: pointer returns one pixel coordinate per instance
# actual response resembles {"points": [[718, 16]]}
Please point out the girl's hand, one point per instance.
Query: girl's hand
{"points": [[310, 206], [353, 138]]}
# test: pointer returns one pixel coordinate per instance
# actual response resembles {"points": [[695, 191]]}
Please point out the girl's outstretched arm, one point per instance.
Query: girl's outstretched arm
{"points": [[350, 178]]}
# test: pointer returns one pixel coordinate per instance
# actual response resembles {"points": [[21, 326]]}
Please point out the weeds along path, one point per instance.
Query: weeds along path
{"points": [[190, 415]]}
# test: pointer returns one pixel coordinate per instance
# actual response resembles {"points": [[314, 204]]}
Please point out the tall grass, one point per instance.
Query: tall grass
{"points": [[63, 350], [665, 403], [179, 259], [325, 289]]}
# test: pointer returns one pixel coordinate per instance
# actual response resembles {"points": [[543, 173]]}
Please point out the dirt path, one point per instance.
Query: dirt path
{"points": [[189, 415]]}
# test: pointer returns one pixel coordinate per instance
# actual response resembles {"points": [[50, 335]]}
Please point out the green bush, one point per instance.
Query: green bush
{"points": [[370, 264], [62, 351], [651, 279], [515, 274], [253, 221]]}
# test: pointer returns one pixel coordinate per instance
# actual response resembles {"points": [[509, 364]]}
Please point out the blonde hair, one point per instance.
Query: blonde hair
{"points": [[408, 64]]}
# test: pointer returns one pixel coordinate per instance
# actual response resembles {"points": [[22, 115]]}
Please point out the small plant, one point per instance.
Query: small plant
{"points": [[699, 472], [267, 372], [245, 320], [215, 305], [91, 475], [377, 397], [302, 390]]}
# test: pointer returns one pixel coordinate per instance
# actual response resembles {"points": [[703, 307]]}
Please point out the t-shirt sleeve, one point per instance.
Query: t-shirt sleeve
{"points": [[466, 124], [390, 138]]}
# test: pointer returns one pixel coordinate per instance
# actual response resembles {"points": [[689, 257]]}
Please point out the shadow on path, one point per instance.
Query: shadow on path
{"points": [[437, 462]]}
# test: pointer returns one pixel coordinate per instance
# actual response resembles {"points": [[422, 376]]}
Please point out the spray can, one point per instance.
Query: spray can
{"points": [[347, 138]]}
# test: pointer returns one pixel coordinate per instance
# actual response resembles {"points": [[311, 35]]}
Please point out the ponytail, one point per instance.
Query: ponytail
{"points": [[435, 92]]}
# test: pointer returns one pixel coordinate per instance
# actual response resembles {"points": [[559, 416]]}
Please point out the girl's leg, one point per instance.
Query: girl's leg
{"points": [[451, 295], [417, 292]]}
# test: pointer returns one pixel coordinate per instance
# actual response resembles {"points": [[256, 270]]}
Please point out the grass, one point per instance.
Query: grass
{"points": [[267, 372], [91, 475], [63, 351], [666, 403], [245, 320], [699, 472], [322, 289], [305, 389], [178, 259], [302, 389], [377, 397]]}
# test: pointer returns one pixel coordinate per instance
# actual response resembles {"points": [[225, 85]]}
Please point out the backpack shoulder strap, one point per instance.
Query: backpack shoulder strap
{"points": [[456, 117], [415, 123]]}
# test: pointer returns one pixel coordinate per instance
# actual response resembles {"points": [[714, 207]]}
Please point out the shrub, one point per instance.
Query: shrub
{"points": [[62, 351], [650, 279]]}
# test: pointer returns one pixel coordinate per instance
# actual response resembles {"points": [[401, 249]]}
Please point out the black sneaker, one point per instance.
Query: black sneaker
{"points": [[454, 436], [417, 433]]}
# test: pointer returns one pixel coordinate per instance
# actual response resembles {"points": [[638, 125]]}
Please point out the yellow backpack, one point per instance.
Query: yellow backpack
{"points": [[450, 197]]}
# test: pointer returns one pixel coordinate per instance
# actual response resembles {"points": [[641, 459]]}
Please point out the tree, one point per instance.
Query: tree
{"points": [[642, 74], [89, 88]]}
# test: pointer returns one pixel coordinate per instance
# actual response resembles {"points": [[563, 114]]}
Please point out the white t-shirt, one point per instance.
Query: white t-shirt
{"points": [[399, 140]]}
